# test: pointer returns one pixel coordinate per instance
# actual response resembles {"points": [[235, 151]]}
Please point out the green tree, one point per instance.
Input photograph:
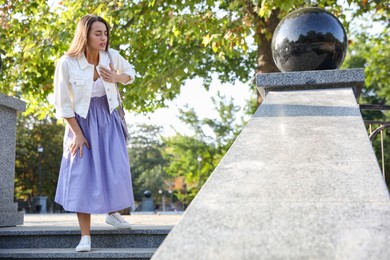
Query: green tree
{"points": [[368, 52], [224, 129], [169, 42], [183, 152], [147, 162], [29, 47], [30, 134], [195, 157]]}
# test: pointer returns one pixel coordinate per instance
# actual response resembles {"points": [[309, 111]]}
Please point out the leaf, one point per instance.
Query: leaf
{"points": [[175, 31], [206, 40], [215, 46]]}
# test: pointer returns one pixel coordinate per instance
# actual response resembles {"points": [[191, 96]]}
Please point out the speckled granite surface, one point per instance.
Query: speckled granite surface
{"points": [[300, 182], [9, 216], [69, 253], [318, 79]]}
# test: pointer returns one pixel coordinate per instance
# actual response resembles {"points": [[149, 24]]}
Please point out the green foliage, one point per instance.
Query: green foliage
{"points": [[30, 47], [147, 162], [378, 64], [169, 42], [224, 131], [182, 153], [369, 53], [195, 157], [30, 134]]}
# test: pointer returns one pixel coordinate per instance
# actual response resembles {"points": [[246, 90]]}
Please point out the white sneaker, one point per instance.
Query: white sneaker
{"points": [[117, 220], [84, 245]]}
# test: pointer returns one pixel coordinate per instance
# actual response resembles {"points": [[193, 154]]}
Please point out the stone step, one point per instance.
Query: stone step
{"points": [[70, 253], [140, 237]]}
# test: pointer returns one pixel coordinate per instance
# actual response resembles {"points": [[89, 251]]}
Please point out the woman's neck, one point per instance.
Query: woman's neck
{"points": [[92, 57]]}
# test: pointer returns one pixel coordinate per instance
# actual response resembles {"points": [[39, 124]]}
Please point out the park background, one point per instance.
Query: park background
{"points": [[194, 92]]}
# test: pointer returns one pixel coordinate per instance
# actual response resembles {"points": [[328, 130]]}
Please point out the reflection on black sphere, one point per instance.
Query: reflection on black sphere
{"points": [[309, 39], [147, 194]]}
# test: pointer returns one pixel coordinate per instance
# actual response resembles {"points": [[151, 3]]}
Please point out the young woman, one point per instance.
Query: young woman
{"points": [[95, 172]]}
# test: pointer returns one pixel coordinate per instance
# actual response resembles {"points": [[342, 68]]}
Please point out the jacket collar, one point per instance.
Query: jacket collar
{"points": [[103, 60], [83, 63]]}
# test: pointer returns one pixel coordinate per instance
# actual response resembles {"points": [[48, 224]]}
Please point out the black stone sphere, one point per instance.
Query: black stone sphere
{"points": [[309, 39], [147, 194]]}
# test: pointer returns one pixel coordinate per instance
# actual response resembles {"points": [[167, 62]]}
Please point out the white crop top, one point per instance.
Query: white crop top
{"points": [[98, 88]]}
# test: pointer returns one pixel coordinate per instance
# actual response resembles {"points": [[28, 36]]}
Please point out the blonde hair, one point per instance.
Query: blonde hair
{"points": [[80, 39]]}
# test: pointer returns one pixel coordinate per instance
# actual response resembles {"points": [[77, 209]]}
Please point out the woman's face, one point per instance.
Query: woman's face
{"points": [[97, 37]]}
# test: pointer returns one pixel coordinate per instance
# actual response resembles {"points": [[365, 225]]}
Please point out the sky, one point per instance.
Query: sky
{"points": [[195, 96]]}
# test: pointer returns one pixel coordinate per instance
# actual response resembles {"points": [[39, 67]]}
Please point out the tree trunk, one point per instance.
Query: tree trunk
{"points": [[265, 62]]}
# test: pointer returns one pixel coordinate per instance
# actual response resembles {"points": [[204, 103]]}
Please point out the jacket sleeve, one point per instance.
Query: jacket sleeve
{"points": [[62, 98], [123, 66]]}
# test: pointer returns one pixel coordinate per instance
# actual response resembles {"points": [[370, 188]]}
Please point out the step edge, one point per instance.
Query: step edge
{"points": [[77, 232], [71, 253]]}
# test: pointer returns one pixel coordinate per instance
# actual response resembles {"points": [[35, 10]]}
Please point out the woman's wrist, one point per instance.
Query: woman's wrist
{"points": [[123, 78]]}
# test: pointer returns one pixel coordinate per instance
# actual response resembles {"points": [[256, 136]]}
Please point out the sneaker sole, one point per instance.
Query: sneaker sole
{"points": [[83, 250]]}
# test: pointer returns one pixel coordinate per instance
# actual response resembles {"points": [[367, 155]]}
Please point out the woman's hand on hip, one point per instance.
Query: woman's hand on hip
{"points": [[78, 143]]}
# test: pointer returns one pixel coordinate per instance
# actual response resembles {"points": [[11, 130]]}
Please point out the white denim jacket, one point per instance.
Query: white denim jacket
{"points": [[73, 82]]}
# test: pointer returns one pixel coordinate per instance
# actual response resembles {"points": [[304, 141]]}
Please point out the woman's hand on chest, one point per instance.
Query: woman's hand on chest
{"points": [[108, 75]]}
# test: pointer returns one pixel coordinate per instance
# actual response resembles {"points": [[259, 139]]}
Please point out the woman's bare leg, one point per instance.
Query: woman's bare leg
{"points": [[85, 223]]}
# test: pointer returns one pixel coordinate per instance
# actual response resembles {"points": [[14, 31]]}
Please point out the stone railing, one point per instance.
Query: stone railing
{"points": [[301, 181]]}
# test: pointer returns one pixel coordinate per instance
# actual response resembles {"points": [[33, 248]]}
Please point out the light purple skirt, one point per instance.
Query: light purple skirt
{"points": [[100, 181]]}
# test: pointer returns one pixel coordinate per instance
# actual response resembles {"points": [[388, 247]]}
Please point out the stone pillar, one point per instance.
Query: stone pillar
{"points": [[9, 215]]}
